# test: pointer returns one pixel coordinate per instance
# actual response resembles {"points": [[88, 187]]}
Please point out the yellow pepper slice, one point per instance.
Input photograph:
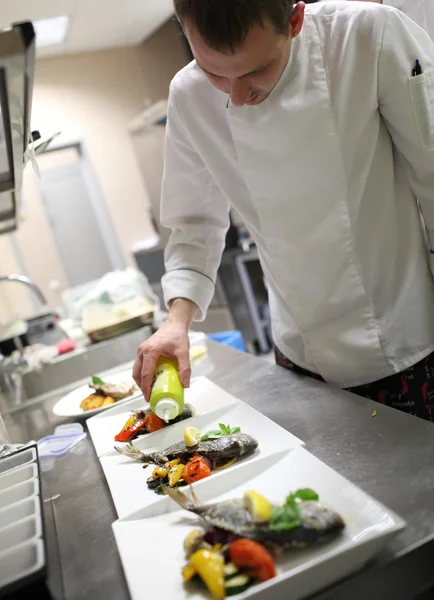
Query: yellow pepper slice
{"points": [[175, 474], [159, 472], [130, 422], [188, 572], [172, 463], [210, 568]]}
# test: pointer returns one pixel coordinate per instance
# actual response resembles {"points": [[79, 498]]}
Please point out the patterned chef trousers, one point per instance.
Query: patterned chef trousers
{"points": [[411, 391]]}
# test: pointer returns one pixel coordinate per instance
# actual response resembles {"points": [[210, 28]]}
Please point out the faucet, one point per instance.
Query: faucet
{"points": [[26, 281]]}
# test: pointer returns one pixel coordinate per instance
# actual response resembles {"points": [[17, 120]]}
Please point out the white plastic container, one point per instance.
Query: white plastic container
{"points": [[22, 548]]}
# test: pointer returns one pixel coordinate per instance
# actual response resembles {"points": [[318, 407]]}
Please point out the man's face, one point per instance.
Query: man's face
{"points": [[250, 73]]}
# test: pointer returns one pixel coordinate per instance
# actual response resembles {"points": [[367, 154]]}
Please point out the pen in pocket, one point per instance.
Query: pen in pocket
{"points": [[417, 69]]}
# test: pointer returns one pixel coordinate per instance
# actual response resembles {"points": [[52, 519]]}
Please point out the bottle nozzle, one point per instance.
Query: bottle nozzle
{"points": [[166, 415]]}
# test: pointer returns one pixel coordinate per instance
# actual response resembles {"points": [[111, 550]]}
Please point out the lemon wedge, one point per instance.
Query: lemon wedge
{"points": [[258, 507], [191, 436]]}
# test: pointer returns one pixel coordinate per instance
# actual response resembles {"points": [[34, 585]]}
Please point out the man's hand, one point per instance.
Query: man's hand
{"points": [[172, 341]]}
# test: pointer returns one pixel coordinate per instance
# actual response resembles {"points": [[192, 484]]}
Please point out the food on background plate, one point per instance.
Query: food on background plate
{"points": [[194, 458], [144, 421], [242, 537], [107, 393]]}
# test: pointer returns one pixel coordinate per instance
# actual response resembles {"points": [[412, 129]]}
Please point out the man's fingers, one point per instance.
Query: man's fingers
{"points": [[149, 362], [137, 370], [184, 367]]}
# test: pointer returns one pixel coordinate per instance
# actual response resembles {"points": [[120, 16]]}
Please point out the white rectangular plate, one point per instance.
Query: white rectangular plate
{"points": [[127, 478], [150, 541], [203, 395]]}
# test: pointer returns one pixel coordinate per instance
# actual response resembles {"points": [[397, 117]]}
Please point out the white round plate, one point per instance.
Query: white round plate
{"points": [[69, 405]]}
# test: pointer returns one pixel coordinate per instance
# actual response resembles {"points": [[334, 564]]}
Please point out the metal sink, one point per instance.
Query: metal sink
{"points": [[79, 364]]}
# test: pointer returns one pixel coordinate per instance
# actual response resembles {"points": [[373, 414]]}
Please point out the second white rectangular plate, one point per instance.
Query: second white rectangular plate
{"points": [[203, 395], [150, 541], [127, 478]]}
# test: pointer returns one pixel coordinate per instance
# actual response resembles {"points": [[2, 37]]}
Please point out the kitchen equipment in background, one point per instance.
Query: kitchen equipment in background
{"points": [[242, 278], [119, 302], [17, 67], [29, 556]]}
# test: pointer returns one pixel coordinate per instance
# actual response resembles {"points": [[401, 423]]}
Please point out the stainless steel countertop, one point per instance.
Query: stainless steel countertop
{"points": [[389, 456]]}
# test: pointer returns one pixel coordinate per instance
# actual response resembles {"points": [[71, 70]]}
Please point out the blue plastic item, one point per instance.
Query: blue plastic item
{"points": [[234, 339], [64, 439]]}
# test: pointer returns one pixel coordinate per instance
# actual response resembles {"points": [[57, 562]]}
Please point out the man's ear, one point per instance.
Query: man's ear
{"points": [[297, 19]]}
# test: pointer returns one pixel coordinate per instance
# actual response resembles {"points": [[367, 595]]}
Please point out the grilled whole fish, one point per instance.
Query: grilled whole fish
{"points": [[186, 414], [229, 446], [319, 523]]}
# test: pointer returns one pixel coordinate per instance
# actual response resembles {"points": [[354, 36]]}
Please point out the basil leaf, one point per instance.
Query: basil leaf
{"points": [[97, 381], [218, 433], [211, 435], [285, 517], [304, 495]]}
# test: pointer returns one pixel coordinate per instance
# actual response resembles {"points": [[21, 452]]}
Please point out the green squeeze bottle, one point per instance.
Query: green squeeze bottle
{"points": [[167, 395]]}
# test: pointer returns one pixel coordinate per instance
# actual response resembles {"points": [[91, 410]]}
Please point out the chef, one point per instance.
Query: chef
{"points": [[316, 123]]}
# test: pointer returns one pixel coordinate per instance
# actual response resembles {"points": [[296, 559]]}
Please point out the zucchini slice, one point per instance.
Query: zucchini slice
{"points": [[237, 584], [230, 570]]}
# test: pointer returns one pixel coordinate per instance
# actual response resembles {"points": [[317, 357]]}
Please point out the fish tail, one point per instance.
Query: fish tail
{"points": [[132, 452], [182, 499]]}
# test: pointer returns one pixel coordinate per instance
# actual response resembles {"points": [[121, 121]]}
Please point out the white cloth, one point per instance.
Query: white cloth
{"points": [[324, 173], [421, 11]]}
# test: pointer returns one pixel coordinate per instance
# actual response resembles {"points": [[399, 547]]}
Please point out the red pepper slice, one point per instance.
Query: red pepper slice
{"points": [[130, 432]]}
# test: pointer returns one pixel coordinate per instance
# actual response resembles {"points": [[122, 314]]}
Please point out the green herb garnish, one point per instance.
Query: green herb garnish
{"points": [[303, 495], [285, 517], [288, 516], [374, 414], [97, 381], [218, 433]]}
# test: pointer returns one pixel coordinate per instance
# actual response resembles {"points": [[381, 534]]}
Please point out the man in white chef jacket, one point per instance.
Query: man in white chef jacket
{"points": [[317, 125]]}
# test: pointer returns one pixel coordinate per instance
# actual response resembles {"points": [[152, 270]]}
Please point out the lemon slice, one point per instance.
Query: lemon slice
{"points": [[191, 436], [258, 507]]}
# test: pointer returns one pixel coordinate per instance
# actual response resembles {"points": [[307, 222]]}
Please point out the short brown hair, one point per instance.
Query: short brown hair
{"points": [[224, 24]]}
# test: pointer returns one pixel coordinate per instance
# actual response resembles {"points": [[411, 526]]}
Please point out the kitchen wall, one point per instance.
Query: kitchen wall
{"points": [[92, 97]]}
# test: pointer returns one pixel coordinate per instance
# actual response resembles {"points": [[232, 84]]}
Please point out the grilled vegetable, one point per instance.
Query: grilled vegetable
{"points": [[209, 566], [127, 434], [188, 572], [237, 584], [247, 554], [160, 472], [196, 469], [130, 422], [153, 423], [175, 474], [153, 484]]}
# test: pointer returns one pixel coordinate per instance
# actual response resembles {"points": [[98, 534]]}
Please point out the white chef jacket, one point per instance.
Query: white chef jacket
{"points": [[421, 11], [325, 173]]}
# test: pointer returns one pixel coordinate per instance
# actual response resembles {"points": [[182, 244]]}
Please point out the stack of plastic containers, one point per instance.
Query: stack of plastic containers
{"points": [[22, 541]]}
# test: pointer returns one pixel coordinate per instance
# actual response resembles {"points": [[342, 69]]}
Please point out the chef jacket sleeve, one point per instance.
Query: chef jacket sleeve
{"points": [[407, 105], [197, 213]]}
